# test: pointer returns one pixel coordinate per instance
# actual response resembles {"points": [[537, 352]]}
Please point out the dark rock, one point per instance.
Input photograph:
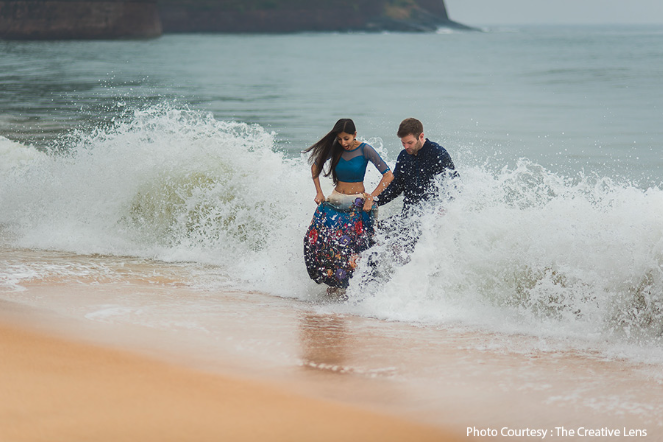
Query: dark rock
{"points": [[49, 20], [111, 19], [274, 16]]}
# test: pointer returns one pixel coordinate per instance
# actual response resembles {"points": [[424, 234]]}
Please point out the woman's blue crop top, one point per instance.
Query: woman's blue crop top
{"points": [[351, 167]]}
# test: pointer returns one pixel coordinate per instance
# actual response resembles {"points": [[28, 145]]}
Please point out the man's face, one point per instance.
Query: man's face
{"points": [[412, 144]]}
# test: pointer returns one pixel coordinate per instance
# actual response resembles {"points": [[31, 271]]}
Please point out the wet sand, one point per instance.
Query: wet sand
{"points": [[53, 390], [275, 351]]}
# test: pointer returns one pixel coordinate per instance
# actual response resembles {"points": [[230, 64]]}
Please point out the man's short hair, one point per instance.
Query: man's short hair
{"points": [[410, 126]]}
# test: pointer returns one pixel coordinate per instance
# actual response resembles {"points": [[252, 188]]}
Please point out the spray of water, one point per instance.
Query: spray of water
{"points": [[519, 248]]}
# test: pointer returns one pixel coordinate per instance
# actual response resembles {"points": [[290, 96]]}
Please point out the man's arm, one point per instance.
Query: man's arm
{"points": [[446, 164], [447, 168]]}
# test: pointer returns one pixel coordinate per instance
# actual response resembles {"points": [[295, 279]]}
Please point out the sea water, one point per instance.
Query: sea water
{"points": [[186, 150]]}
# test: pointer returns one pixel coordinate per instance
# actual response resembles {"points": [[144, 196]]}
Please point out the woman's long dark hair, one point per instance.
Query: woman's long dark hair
{"points": [[328, 146]]}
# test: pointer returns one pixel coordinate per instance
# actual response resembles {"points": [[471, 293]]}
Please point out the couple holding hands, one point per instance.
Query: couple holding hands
{"points": [[344, 223]]}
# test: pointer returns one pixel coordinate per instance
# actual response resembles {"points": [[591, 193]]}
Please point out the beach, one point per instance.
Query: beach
{"points": [[58, 390], [74, 371]]}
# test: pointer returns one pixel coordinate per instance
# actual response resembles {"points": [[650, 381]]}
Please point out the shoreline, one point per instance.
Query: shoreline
{"points": [[447, 380], [57, 389]]}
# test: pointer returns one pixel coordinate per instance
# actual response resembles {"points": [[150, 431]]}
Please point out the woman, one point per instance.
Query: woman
{"points": [[343, 224]]}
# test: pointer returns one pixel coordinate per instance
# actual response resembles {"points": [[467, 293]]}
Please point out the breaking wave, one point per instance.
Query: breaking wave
{"points": [[519, 249]]}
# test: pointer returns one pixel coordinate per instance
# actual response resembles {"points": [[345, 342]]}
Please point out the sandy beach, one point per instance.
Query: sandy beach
{"points": [[121, 349], [54, 389]]}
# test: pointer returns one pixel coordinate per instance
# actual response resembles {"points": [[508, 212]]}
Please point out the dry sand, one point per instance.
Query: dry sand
{"points": [[52, 389]]}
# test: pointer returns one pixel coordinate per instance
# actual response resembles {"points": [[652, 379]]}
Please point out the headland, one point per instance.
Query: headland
{"points": [[137, 19]]}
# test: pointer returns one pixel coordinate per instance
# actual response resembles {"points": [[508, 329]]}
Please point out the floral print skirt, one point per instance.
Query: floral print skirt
{"points": [[339, 232]]}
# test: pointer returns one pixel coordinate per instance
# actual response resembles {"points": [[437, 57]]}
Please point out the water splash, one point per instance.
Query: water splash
{"points": [[526, 250], [520, 249]]}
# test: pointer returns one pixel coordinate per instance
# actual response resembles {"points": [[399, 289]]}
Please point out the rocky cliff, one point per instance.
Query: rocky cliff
{"points": [[79, 19], [302, 15], [109, 19]]}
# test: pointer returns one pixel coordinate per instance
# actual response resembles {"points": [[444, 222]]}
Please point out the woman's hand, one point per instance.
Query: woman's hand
{"points": [[319, 198], [368, 203]]}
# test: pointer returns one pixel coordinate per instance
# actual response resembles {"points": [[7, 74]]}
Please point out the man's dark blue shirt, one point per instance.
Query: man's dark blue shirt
{"points": [[415, 175]]}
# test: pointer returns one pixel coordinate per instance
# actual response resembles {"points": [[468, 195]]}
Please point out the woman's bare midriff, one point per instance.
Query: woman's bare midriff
{"points": [[349, 188]]}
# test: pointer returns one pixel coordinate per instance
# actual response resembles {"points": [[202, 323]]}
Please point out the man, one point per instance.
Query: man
{"points": [[417, 167]]}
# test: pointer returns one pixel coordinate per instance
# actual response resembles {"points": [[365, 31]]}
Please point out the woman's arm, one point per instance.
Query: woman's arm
{"points": [[315, 173], [396, 186], [387, 178]]}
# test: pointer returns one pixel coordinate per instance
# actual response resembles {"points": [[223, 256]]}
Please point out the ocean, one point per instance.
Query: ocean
{"points": [[177, 162]]}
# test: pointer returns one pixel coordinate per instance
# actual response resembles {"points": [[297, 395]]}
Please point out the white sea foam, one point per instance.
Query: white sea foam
{"points": [[16, 156], [519, 249], [107, 312], [170, 184], [525, 250]]}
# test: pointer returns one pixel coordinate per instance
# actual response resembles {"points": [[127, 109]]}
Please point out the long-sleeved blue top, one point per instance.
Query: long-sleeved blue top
{"points": [[414, 175]]}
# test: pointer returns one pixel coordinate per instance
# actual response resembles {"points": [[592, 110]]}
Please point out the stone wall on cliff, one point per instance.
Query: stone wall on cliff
{"points": [[79, 19]]}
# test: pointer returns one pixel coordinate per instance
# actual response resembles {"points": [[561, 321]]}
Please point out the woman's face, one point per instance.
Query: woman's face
{"points": [[346, 140]]}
